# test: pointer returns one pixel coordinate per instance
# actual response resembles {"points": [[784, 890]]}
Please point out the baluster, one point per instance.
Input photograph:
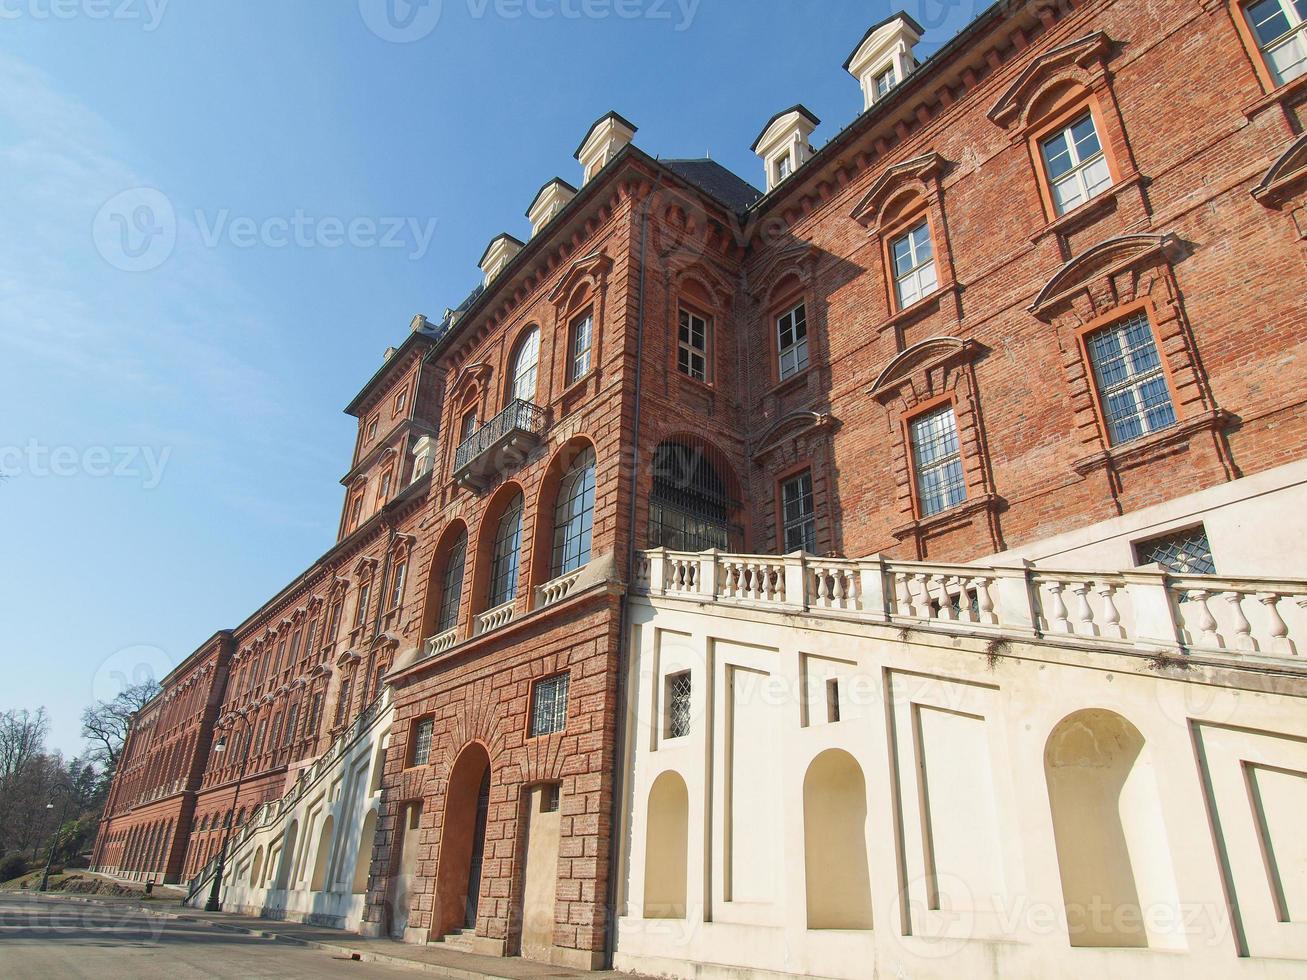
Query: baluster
{"points": [[921, 597], [823, 588], [945, 599], [1243, 632], [986, 602], [1208, 636], [751, 591], [902, 595], [1280, 642], [967, 601], [1058, 621], [1085, 625], [1111, 615]]}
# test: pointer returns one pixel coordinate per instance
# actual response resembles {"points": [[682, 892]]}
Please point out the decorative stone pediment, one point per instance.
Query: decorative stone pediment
{"points": [[797, 259], [473, 374], [1286, 173], [788, 427], [593, 267], [920, 174], [927, 353], [682, 268], [365, 565], [1102, 259], [1076, 60]]}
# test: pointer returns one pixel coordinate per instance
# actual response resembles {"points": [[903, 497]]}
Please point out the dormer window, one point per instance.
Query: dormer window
{"points": [[884, 82], [783, 143], [605, 139], [883, 58], [783, 168]]}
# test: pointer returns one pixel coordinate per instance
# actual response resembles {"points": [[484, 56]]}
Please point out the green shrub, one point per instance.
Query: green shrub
{"points": [[12, 865]]}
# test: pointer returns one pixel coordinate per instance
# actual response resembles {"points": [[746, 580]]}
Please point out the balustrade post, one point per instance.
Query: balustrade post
{"points": [[1152, 610], [875, 599], [658, 571], [796, 580], [706, 582], [1014, 597]]}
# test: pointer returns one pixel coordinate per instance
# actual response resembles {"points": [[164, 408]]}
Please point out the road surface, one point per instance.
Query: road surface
{"points": [[50, 939]]}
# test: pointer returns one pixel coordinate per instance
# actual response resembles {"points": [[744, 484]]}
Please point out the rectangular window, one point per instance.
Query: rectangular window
{"points": [[1075, 164], [384, 494], [401, 402], [397, 578], [422, 741], [678, 704], [884, 82], [692, 346], [549, 705], [1132, 391], [914, 265], [315, 716], [258, 737], [1186, 552], [937, 461], [798, 514], [549, 798], [337, 609], [291, 719], [361, 609], [372, 427], [792, 341], [833, 699], [468, 428], [295, 648], [783, 168], [582, 333], [355, 511], [1280, 27], [342, 703]]}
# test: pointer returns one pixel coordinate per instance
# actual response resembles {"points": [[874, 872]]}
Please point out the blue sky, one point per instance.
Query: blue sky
{"points": [[170, 418]]}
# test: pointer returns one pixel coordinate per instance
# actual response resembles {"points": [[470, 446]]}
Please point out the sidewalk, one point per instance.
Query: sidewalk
{"points": [[432, 958]]}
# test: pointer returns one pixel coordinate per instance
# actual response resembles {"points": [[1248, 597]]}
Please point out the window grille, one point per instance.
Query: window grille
{"points": [[1131, 384], [689, 507], [574, 515], [549, 705], [937, 461], [678, 705], [798, 514], [361, 609], [884, 82], [422, 741], [549, 798], [1186, 552]]}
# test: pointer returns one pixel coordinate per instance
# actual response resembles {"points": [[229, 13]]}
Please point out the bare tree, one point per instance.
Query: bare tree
{"points": [[105, 724], [22, 769]]}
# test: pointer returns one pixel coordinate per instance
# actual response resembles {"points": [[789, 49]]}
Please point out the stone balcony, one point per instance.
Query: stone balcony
{"points": [[500, 445]]}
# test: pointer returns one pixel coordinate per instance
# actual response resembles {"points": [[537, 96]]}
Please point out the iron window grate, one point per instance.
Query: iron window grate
{"points": [[678, 704], [549, 705], [1186, 552]]}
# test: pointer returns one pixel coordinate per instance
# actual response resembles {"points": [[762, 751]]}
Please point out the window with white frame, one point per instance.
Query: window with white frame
{"points": [[422, 741], [508, 548], [525, 366], [361, 608], [574, 515], [914, 264], [582, 335], [884, 82], [937, 461], [1075, 164], [549, 705], [1280, 27], [679, 690], [798, 515], [1128, 376], [692, 346], [783, 168], [792, 340], [397, 580]]}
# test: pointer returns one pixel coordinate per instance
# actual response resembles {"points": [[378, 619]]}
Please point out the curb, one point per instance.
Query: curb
{"points": [[353, 953]]}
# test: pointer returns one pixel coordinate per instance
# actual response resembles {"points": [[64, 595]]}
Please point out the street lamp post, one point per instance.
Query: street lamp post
{"points": [[214, 903], [54, 843]]}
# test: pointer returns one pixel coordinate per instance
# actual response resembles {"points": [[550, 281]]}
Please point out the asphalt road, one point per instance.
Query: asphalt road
{"points": [[49, 939]]}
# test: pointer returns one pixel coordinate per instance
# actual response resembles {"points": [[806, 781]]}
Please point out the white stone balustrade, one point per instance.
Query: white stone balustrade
{"points": [[1145, 608], [441, 642], [493, 619], [557, 589]]}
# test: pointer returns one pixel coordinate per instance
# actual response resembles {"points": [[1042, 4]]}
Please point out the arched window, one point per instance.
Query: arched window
{"points": [[574, 515], [451, 586], [508, 547], [690, 507], [525, 362]]}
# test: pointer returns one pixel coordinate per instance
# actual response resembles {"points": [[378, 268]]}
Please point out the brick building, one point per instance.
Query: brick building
{"points": [[1040, 300]]}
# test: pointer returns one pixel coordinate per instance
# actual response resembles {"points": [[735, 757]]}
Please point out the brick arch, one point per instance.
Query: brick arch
{"points": [[1081, 61]]}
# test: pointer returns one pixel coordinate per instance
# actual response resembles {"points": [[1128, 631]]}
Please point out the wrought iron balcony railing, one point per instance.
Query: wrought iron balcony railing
{"points": [[500, 445]]}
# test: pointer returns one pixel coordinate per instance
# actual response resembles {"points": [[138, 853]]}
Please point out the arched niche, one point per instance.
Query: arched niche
{"points": [[835, 843], [1112, 852], [287, 856], [666, 852], [256, 869], [323, 856], [363, 861]]}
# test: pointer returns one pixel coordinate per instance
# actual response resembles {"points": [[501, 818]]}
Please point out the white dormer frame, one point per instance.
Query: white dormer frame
{"points": [[498, 254], [784, 144], [553, 197], [887, 46], [605, 140]]}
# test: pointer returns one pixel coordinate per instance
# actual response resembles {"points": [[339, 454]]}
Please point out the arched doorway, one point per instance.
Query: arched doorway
{"points": [[693, 498], [462, 842], [835, 843]]}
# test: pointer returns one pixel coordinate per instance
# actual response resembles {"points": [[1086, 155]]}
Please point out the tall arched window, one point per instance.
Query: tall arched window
{"points": [[525, 362], [451, 586], [690, 507], [574, 515], [508, 549]]}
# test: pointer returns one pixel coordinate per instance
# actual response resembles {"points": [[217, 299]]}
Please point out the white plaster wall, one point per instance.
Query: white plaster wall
{"points": [[344, 794], [950, 735]]}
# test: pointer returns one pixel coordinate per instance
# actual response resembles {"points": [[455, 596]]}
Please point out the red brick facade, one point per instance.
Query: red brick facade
{"points": [[1199, 238]]}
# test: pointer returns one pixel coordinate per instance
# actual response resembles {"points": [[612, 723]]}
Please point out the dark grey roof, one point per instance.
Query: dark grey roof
{"points": [[715, 181], [897, 15], [801, 109]]}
